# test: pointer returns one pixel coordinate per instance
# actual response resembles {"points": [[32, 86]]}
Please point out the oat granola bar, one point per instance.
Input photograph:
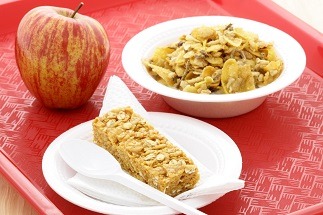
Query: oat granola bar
{"points": [[143, 152]]}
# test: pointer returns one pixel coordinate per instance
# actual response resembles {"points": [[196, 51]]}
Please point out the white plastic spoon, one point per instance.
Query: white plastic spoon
{"points": [[93, 161]]}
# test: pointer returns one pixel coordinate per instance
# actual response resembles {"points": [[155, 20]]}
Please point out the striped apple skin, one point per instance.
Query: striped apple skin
{"points": [[61, 59]]}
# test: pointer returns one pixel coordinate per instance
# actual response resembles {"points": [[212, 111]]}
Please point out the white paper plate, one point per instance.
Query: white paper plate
{"points": [[209, 145]]}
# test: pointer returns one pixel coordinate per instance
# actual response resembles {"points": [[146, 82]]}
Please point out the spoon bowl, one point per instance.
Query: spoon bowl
{"points": [[89, 159]]}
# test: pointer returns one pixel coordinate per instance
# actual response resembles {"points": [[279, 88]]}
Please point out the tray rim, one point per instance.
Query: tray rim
{"points": [[23, 6], [21, 183], [310, 38], [38, 200]]}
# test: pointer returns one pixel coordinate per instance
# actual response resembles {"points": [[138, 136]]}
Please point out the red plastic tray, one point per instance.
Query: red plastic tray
{"points": [[281, 141]]}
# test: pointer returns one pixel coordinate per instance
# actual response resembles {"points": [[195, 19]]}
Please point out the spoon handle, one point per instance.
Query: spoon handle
{"points": [[156, 195]]}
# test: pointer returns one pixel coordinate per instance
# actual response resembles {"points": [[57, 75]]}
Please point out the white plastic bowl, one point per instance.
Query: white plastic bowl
{"points": [[142, 46]]}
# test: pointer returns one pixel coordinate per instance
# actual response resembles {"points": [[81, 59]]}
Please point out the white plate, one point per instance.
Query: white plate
{"points": [[209, 145]]}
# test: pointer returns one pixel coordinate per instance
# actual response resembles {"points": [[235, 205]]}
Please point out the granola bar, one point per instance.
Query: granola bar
{"points": [[144, 152]]}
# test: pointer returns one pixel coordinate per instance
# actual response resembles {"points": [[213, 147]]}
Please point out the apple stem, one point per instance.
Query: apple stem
{"points": [[77, 9]]}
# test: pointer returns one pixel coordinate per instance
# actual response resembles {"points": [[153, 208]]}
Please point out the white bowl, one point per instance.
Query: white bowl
{"points": [[142, 46]]}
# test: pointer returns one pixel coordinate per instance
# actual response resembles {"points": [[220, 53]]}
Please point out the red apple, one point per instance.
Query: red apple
{"points": [[61, 56]]}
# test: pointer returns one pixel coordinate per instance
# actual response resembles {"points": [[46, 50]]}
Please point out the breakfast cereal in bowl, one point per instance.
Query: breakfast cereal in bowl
{"points": [[213, 66]]}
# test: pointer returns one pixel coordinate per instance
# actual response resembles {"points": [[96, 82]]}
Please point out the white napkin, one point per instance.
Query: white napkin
{"points": [[118, 95]]}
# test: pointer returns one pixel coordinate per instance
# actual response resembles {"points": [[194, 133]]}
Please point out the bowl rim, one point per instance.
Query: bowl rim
{"points": [[130, 62]]}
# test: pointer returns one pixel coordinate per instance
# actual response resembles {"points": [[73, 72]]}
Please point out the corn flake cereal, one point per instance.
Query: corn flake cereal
{"points": [[215, 60]]}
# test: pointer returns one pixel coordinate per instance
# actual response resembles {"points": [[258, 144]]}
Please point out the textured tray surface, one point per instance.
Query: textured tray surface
{"points": [[281, 141]]}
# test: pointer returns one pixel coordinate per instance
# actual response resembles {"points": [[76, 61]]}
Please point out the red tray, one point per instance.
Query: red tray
{"points": [[281, 141]]}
